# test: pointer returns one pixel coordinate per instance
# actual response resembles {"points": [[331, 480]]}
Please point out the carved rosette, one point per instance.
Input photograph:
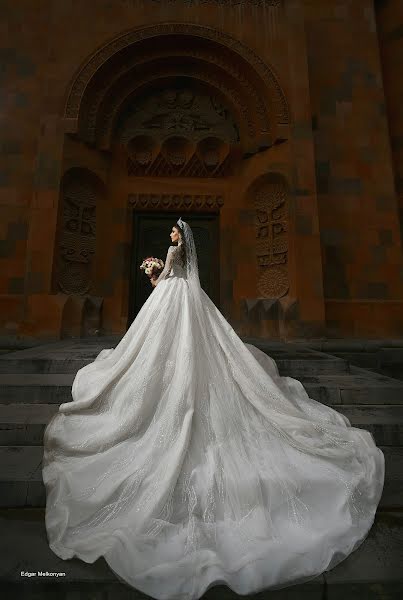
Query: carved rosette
{"points": [[271, 221], [135, 73]]}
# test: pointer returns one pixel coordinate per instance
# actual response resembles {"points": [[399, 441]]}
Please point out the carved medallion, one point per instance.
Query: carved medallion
{"points": [[273, 283]]}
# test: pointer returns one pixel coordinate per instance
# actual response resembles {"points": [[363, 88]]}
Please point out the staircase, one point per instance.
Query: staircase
{"points": [[381, 356], [35, 381]]}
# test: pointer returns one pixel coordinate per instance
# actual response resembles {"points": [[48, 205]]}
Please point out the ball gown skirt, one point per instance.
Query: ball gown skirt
{"points": [[186, 461]]}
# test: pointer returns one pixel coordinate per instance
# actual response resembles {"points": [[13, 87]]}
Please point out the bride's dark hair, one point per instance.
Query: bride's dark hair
{"points": [[183, 244]]}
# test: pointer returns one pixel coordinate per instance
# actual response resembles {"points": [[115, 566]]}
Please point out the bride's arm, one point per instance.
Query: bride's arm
{"points": [[167, 266]]}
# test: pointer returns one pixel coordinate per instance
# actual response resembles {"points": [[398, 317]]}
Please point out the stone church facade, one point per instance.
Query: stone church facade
{"points": [[274, 127]]}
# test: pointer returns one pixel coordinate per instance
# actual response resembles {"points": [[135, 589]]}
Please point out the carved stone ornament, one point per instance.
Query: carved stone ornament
{"points": [[77, 240], [273, 283], [179, 133], [100, 58], [176, 201], [103, 128], [126, 79], [271, 220], [179, 165], [225, 3], [178, 111]]}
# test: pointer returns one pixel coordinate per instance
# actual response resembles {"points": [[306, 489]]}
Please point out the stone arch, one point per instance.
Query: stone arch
{"points": [[80, 192], [221, 79], [237, 104], [210, 50], [268, 195]]}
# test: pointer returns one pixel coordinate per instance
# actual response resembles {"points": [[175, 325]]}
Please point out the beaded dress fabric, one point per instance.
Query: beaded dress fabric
{"points": [[187, 461]]}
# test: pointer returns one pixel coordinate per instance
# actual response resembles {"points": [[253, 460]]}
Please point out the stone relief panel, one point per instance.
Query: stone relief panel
{"points": [[178, 111], [177, 132], [222, 73], [111, 49], [81, 190], [225, 3], [194, 202], [115, 105], [271, 223]]}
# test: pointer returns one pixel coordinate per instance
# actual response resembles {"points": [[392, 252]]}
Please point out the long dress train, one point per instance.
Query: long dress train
{"points": [[187, 461]]}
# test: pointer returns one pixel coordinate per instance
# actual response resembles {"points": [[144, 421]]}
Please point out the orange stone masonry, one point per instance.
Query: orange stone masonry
{"points": [[282, 117]]}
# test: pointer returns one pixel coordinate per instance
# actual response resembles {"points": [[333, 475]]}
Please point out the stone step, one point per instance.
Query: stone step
{"points": [[294, 360], [388, 361], [288, 364], [43, 365], [67, 356], [24, 424], [296, 367], [358, 387], [333, 394], [63, 356], [21, 482], [35, 388], [356, 376], [372, 572], [385, 422], [383, 356]]}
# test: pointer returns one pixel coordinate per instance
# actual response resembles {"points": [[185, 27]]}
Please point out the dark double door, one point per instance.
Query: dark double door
{"points": [[151, 238]]}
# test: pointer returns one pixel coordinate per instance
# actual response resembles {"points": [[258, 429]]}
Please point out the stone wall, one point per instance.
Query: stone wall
{"points": [[308, 95], [389, 14], [358, 209]]}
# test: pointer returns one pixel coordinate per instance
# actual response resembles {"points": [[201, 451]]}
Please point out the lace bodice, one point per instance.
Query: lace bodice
{"points": [[173, 264]]}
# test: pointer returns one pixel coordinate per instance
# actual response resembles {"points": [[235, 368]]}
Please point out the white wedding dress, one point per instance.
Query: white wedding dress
{"points": [[186, 461]]}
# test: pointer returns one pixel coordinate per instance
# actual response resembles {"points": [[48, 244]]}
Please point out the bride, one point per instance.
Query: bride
{"points": [[187, 461]]}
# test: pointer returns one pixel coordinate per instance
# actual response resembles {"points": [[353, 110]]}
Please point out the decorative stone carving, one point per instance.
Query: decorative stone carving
{"points": [[273, 282], [177, 132], [271, 222], [205, 56], [177, 165], [77, 236], [225, 3], [105, 53], [178, 111], [236, 73], [113, 107], [176, 201]]}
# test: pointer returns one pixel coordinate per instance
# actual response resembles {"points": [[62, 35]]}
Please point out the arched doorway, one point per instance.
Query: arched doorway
{"points": [[168, 116]]}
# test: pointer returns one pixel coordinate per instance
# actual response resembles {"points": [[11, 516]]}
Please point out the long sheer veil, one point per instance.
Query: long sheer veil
{"points": [[192, 268], [192, 272]]}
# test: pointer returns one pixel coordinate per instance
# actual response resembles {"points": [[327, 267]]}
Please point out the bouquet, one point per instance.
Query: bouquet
{"points": [[152, 266]]}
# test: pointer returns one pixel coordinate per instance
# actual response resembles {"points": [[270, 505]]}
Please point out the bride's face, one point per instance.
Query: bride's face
{"points": [[174, 234]]}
